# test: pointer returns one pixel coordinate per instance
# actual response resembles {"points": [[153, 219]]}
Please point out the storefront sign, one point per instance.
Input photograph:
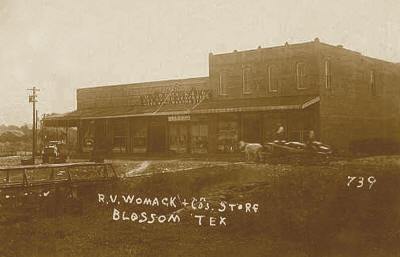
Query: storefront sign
{"points": [[174, 96], [179, 118]]}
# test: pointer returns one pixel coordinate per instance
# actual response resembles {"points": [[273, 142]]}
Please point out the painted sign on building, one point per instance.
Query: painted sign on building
{"points": [[179, 118], [175, 96]]}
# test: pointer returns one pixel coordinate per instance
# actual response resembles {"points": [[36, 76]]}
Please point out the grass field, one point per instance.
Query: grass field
{"points": [[303, 211]]}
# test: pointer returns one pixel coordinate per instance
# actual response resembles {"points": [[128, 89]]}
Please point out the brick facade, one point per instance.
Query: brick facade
{"points": [[271, 72], [340, 94], [362, 98], [129, 95]]}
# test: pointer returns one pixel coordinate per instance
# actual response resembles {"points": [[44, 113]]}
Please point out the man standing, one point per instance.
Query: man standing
{"points": [[310, 140], [280, 132]]}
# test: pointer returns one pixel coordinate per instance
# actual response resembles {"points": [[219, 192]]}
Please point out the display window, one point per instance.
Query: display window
{"points": [[120, 135], [178, 137], [138, 136], [228, 134], [88, 135], [199, 138]]}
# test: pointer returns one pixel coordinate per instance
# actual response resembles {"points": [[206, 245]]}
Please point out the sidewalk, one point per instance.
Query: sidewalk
{"points": [[231, 157]]}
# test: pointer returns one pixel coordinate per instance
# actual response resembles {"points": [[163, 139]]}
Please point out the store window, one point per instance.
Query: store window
{"points": [[199, 138], [3, 176], [88, 135], [139, 136], [120, 139], [301, 75], [178, 137], [228, 135]]}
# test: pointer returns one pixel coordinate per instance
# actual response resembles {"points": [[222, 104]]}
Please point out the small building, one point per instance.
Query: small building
{"points": [[343, 96]]}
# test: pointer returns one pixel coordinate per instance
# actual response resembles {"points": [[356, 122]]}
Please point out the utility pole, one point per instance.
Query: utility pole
{"points": [[32, 99], [37, 120]]}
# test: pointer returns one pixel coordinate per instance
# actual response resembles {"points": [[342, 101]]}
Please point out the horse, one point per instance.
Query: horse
{"points": [[253, 151]]}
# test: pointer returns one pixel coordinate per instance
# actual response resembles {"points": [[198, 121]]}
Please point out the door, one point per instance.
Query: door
{"points": [[252, 125], [178, 137], [157, 137]]}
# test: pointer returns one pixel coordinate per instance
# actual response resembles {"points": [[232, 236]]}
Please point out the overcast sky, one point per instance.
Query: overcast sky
{"points": [[61, 45]]}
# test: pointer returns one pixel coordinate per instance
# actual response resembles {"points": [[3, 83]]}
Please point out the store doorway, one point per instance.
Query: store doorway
{"points": [[178, 137], [252, 129], [157, 137]]}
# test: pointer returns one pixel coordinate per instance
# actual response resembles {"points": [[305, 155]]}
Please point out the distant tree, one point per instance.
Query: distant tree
{"points": [[24, 128], [13, 127], [11, 136]]}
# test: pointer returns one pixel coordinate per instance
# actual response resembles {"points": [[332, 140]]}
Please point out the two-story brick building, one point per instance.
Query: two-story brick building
{"points": [[340, 94]]}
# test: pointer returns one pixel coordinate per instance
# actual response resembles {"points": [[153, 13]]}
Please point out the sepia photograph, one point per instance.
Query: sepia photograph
{"points": [[210, 128]]}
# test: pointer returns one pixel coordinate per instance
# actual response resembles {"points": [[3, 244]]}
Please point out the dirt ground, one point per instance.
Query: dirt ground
{"points": [[301, 211]]}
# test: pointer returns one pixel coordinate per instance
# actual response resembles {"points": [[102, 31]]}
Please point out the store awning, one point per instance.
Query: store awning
{"points": [[208, 106], [257, 104]]}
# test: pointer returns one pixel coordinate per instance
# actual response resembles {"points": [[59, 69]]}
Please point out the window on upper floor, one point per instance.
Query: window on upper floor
{"points": [[328, 75], [372, 84], [222, 84], [246, 80], [300, 75], [271, 79]]}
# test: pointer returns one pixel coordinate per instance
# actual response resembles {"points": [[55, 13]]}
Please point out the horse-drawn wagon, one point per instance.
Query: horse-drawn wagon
{"points": [[296, 152], [287, 152]]}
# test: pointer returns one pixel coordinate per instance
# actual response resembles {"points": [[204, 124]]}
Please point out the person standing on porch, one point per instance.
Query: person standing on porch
{"points": [[280, 133], [310, 140]]}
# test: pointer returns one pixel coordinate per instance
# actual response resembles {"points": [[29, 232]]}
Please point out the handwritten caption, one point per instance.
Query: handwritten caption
{"points": [[201, 211]]}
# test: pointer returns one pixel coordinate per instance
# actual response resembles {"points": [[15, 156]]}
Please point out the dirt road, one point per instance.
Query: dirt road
{"points": [[301, 211]]}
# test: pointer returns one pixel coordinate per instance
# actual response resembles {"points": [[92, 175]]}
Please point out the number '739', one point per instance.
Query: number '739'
{"points": [[359, 181]]}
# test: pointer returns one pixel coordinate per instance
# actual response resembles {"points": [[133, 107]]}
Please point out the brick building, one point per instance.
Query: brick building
{"points": [[340, 94]]}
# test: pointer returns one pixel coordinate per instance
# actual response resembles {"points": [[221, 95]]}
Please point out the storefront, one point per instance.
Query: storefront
{"points": [[213, 127], [188, 134]]}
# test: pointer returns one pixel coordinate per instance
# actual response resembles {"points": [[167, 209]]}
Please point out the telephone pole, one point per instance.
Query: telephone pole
{"points": [[33, 100]]}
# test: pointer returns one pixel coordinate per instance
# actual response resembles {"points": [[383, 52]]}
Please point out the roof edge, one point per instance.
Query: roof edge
{"points": [[205, 78]]}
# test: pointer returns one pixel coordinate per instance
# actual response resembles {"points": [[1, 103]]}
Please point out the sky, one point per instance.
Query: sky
{"points": [[62, 45]]}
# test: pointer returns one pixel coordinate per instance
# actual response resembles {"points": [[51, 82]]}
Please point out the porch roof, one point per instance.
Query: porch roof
{"points": [[257, 104], [208, 106]]}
